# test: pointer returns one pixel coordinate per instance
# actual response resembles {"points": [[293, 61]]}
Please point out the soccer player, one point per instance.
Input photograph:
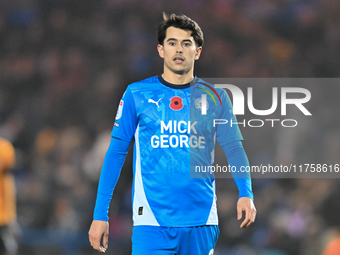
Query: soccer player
{"points": [[172, 212]]}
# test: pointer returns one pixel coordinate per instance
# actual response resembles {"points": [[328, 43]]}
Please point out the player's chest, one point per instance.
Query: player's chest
{"points": [[173, 106]]}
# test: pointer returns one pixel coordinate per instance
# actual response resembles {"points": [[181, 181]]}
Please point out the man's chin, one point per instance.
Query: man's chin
{"points": [[180, 71]]}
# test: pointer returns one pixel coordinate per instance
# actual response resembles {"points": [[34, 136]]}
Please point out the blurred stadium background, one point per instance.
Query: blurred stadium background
{"points": [[64, 64]]}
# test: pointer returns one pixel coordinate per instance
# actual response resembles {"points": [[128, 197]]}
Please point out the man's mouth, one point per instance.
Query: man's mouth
{"points": [[178, 60]]}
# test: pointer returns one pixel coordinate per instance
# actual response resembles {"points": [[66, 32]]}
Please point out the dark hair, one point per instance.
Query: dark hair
{"points": [[182, 22]]}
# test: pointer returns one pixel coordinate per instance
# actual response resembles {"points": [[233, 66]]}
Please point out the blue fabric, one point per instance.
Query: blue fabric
{"points": [[126, 118], [172, 137], [227, 133], [159, 117], [153, 240], [237, 157], [113, 162]]}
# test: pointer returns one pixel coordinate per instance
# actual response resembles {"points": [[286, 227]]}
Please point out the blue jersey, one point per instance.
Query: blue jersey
{"points": [[171, 138]]}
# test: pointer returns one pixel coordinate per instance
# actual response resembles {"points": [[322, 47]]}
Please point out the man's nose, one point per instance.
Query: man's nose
{"points": [[179, 48]]}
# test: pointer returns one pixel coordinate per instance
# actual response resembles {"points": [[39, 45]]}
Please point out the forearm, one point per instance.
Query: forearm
{"points": [[113, 162], [238, 159]]}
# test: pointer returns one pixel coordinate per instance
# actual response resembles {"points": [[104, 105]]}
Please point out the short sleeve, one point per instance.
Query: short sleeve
{"points": [[229, 131], [126, 119]]}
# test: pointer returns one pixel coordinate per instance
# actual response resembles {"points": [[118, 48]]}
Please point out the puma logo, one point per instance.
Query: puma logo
{"points": [[152, 101]]}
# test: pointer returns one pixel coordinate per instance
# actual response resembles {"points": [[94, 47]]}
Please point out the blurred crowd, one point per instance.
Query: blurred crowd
{"points": [[64, 65]]}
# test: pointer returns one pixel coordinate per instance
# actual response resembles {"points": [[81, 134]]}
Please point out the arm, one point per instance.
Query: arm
{"points": [[230, 140], [122, 135], [237, 157], [113, 162]]}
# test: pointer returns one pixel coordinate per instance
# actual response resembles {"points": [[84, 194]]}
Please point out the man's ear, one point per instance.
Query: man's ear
{"points": [[160, 50], [198, 52]]}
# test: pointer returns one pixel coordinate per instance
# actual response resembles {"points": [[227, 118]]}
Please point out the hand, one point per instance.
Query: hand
{"points": [[245, 204], [98, 230]]}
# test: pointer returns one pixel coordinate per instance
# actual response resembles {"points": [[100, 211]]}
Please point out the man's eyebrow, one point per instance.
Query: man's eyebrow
{"points": [[174, 39]]}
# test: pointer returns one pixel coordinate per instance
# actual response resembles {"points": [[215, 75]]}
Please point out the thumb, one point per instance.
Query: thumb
{"points": [[239, 213]]}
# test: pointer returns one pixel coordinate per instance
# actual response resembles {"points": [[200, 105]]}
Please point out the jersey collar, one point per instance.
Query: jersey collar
{"points": [[174, 86]]}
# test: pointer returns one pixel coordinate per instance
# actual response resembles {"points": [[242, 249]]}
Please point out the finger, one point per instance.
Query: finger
{"points": [[106, 240], [247, 218], [252, 218], [249, 223], [244, 223], [95, 243], [91, 240], [102, 249]]}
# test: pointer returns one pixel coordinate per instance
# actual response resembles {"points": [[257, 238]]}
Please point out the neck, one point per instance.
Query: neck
{"points": [[177, 79]]}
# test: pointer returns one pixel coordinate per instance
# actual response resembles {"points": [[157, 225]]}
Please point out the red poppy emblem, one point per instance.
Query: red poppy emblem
{"points": [[176, 103]]}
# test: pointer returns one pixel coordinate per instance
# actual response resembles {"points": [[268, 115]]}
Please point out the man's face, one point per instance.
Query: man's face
{"points": [[179, 51]]}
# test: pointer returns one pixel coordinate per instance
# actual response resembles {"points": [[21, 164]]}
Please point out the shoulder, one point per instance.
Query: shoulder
{"points": [[211, 88], [146, 84]]}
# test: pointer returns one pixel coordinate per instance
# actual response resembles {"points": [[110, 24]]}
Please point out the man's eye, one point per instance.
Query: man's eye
{"points": [[187, 45], [172, 44]]}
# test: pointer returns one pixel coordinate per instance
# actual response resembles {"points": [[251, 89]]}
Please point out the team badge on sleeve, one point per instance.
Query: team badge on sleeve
{"points": [[120, 110]]}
